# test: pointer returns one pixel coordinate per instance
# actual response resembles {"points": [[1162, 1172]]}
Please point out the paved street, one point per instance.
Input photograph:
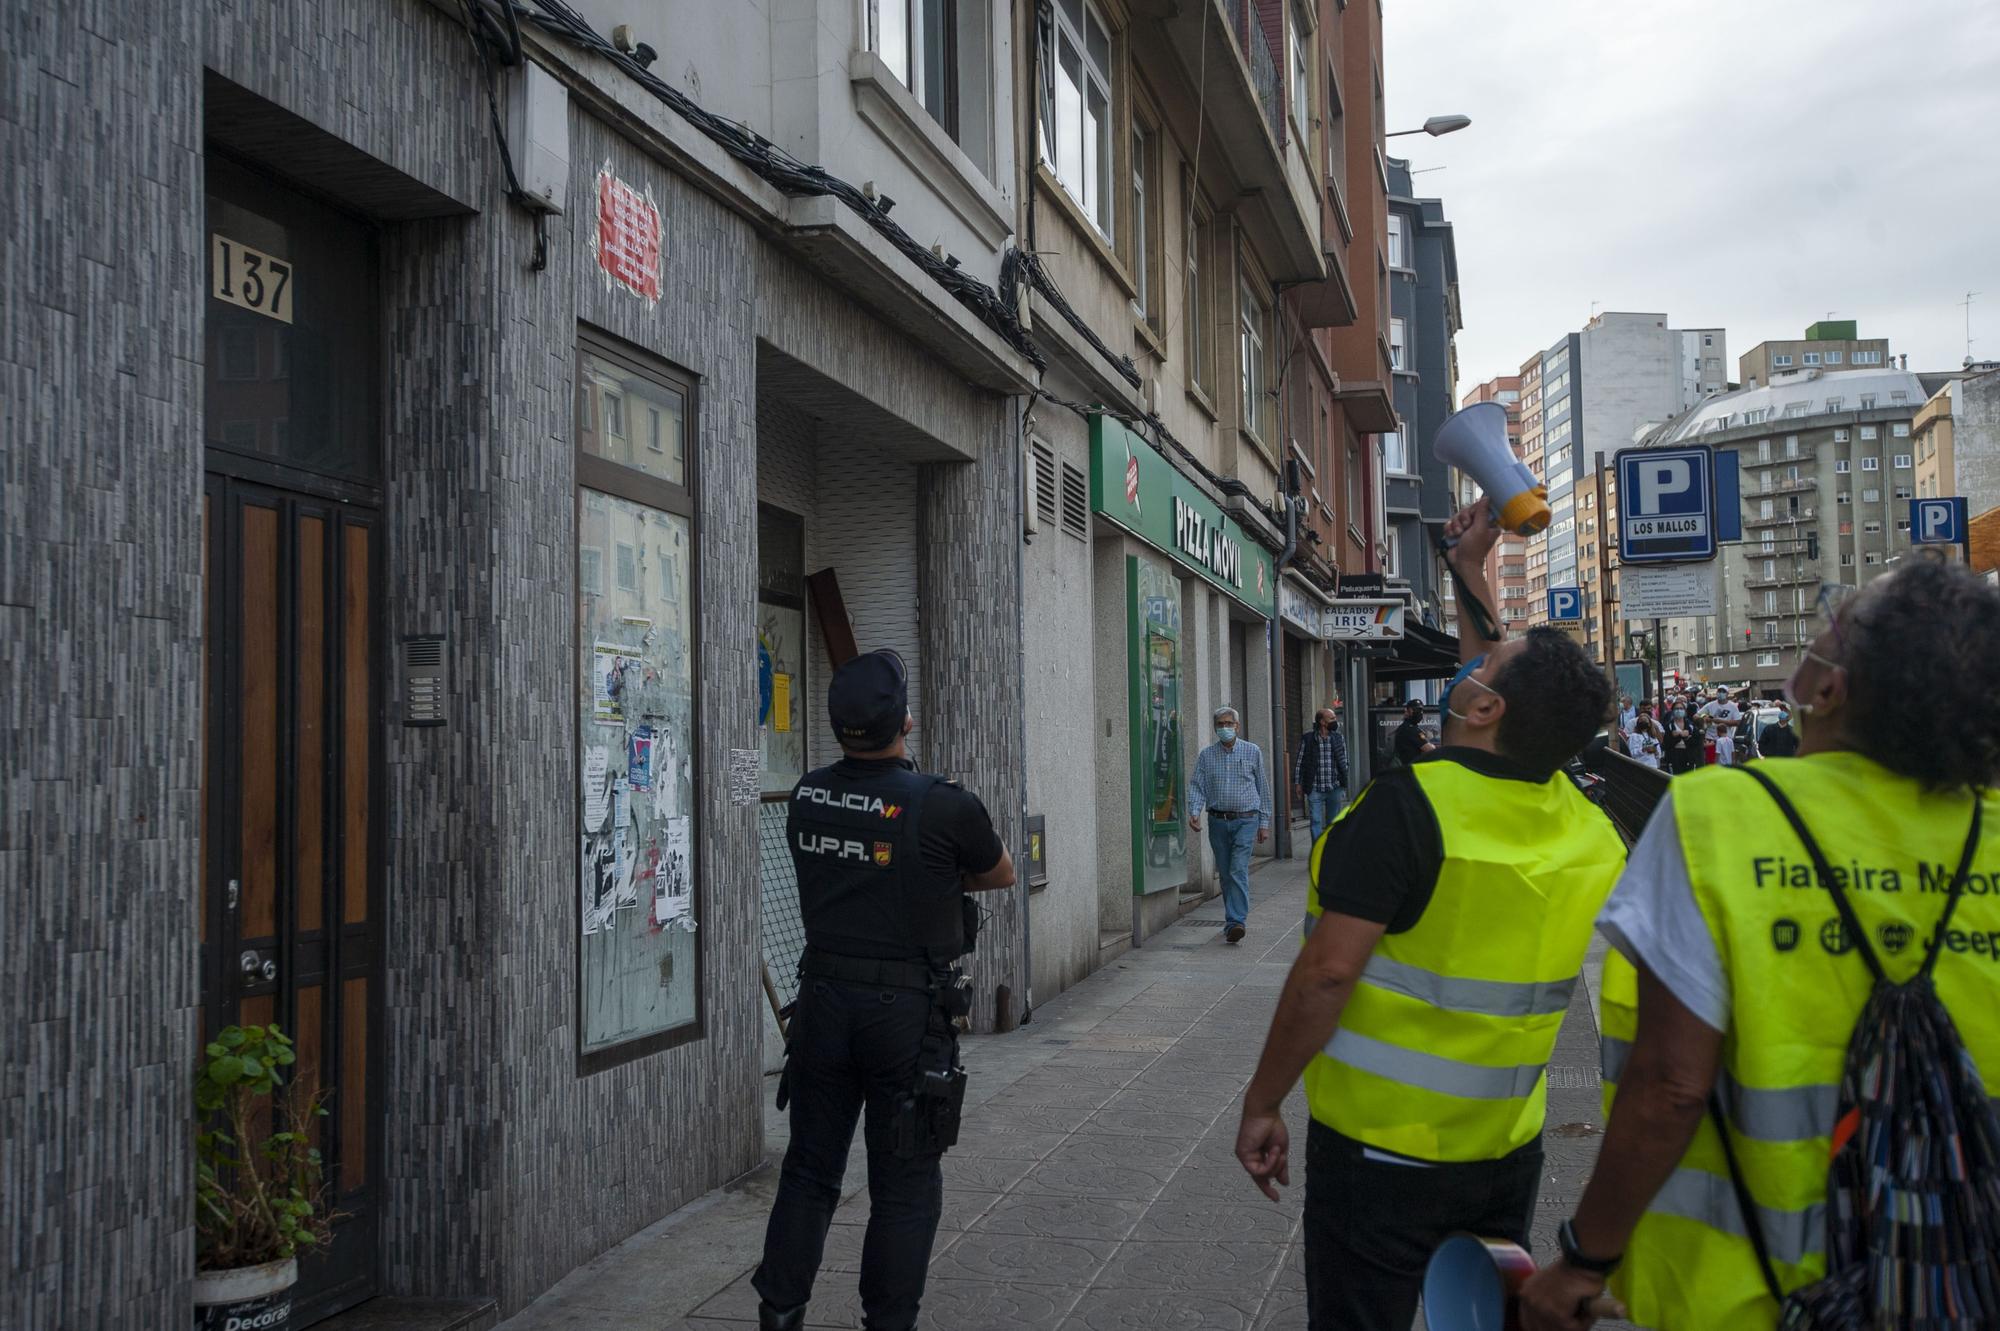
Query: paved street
{"points": [[1093, 1185]]}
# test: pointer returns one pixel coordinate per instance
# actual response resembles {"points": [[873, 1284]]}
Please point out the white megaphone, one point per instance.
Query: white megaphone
{"points": [[1475, 441]]}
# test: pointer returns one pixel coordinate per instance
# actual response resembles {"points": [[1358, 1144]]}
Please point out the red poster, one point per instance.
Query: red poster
{"points": [[628, 236]]}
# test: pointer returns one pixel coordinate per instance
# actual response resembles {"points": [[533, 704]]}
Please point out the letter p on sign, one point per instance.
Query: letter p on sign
{"points": [[1668, 476], [1937, 521]]}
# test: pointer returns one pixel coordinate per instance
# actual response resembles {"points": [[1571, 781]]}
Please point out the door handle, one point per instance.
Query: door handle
{"points": [[256, 968]]}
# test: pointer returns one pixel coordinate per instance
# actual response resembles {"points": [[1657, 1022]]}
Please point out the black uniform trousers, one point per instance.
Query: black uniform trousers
{"points": [[853, 1047], [1371, 1225]]}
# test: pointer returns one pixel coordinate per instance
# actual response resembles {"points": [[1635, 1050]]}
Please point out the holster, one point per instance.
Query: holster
{"points": [[927, 1116], [785, 1021]]}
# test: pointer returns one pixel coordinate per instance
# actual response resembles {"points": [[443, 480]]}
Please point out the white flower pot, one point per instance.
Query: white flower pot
{"points": [[246, 1298]]}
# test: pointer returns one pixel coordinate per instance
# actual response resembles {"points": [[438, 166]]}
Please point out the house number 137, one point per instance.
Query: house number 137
{"points": [[249, 278]]}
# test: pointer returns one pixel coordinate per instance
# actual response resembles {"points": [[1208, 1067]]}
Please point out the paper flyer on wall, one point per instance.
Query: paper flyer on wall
{"points": [[675, 903], [609, 662], [596, 787], [639, 758]]}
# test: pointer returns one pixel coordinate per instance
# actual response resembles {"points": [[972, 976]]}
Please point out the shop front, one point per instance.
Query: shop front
{"points": [[1192, 582]]}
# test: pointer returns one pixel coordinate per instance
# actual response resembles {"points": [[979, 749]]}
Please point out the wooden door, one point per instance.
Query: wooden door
{"points": [[291, 878]]}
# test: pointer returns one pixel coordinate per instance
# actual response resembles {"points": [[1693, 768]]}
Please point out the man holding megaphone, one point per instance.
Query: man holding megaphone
{"points": [[1450, 908]]}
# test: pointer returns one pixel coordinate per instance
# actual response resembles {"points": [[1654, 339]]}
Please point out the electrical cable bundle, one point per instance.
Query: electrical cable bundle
{"points": [[771, 163]]}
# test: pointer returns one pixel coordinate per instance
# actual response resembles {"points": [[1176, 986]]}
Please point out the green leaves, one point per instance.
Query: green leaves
{"points": [[260, 1190]]}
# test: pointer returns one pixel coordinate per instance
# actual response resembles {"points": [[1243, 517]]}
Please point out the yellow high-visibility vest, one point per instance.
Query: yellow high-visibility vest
{"points": [[1441, 1050], [1797, 987]]}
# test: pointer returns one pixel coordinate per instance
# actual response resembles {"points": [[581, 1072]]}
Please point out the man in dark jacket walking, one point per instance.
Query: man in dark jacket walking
{"points": [[1320, 782]]}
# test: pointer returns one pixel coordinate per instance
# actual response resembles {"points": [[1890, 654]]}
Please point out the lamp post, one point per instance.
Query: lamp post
{"points": [[1435, 126]]}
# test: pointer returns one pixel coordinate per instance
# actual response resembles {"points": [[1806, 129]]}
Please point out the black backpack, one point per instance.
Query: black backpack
{"points": [[1913, 1191]]}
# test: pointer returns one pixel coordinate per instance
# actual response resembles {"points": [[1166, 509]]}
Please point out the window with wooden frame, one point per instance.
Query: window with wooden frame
{"points": [[1148, 200], [637, 736], [1254, 344]]}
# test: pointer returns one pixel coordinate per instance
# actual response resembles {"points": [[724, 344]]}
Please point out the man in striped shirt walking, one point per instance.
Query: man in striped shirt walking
{"points": [[1230, 785]]}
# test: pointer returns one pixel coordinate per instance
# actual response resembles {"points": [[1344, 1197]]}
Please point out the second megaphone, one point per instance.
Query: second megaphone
{"points": [[1475, 441]]}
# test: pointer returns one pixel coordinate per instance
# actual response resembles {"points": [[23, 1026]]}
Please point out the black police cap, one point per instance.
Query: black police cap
{"points": [[867, 701]]}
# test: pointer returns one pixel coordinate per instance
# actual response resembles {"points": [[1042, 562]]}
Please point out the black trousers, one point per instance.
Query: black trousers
{"points": [[854, 1048], [1371, 1225]]}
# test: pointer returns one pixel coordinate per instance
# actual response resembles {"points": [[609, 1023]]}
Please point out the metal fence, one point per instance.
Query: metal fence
{"points": [[1632, 790], [1264, 73], [783, 932]]}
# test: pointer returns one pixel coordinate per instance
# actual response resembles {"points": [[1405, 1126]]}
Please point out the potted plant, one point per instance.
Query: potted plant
{"points": [[260, 1194]]}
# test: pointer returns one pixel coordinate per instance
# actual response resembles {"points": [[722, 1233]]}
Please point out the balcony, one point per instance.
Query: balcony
{"points": [[1803, 578], [1804, 453], [1246, 119], [1780, 518]]}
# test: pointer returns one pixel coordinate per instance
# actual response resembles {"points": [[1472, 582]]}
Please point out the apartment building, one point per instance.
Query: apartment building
{"points": [[440, 552], [1827, 467], [1957, 438], [1424, 318], [1830, 344]]}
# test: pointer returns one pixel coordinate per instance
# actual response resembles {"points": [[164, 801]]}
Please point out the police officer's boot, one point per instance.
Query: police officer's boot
{"points": [[770, 1319]]}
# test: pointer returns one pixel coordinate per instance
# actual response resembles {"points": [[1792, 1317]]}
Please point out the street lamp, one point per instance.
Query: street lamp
{"points": [[1435, 126]]}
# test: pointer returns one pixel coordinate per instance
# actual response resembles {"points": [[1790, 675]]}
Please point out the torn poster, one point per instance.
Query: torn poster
{"points": [[625, 892], [743, 780], [596, 787], [674, 881], [599, 867], [609, 662], [639, 759]]}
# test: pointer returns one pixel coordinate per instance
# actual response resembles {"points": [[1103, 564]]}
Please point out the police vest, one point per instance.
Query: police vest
{"points": [[1442, 1047], [863, 887], [1798, 990]]}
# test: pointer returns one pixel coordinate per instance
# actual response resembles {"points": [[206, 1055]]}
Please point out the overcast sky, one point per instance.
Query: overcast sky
{"points": [[1752, 164]]}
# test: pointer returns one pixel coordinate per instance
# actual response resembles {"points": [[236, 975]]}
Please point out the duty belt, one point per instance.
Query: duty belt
{"points": [[919, 975]]}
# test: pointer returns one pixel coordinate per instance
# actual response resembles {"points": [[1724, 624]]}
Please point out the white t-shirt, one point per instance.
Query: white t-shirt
{"points": [[1652, 918]]}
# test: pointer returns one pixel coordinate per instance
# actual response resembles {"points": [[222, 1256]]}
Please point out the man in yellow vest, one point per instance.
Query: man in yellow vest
{"points": [[1449, 914], [1748, 982]]}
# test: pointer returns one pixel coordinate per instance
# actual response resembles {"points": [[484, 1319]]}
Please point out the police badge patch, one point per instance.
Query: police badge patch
{"points": [[882, 851]]}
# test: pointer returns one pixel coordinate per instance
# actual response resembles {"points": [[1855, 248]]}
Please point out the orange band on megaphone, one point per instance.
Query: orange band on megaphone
{"points": [[1526, 513]]}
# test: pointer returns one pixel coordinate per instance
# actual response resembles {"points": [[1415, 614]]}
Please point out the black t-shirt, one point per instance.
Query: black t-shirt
{"points": [[1380, 863], [1409, 742], [957, 835], [1778, 741]]}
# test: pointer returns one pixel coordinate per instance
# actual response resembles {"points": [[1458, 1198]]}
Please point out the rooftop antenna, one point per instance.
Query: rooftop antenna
{"points": [[1967, 302], [1593, 308]]}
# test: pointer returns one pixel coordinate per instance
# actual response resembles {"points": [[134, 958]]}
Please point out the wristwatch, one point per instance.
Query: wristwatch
{"points": [[1575, 1256]]}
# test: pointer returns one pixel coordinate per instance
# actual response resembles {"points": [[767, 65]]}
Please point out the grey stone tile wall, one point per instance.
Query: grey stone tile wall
{"points": [[100, 624]]}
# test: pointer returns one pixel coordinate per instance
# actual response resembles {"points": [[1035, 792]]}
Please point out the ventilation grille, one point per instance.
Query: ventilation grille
{"points": [[423, 680], [1075, 501], [1045, 480]]}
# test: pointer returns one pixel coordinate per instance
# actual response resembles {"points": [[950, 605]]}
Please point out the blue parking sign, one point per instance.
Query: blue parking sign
{"points": [[1565, 605], [1937, 521], [1666, 505]]}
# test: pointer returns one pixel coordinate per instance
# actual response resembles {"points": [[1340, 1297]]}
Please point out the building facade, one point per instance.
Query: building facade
{"points": [[1957, 439], [459, 576], [1830, 344], [1507, 564], [1827, 471], [1424, 320]]}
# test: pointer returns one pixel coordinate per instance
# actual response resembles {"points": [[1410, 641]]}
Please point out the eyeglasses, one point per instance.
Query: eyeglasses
{"points": [[1832, 595]]}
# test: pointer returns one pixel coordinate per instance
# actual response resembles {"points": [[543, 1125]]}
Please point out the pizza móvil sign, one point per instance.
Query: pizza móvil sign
{"points": [[1133, 486]]}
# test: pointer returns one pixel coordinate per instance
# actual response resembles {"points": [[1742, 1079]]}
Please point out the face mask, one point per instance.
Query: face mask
{"points": [[1679, 715], [1463, 676], [1225, 733]]}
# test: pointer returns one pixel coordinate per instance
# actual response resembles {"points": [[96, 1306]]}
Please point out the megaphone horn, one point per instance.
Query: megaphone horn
{"points": [[1475, 441]]}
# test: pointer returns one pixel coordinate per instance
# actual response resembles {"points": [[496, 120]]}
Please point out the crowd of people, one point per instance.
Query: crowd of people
{"points": [[1692, 728]]}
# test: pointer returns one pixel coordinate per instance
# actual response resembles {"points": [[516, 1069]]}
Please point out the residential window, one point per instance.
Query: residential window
{"points": [[1142, 224], [637, 647], [1399, 241], [1398, 356], [1770, 630], [1393, 457], [1903, 492], [918, 41], [1198, 312], [1872, 528], [1301, 80], [1735, 661], [1763, 450], [1899, 430], [1898, 395], [1767, 658], [1903, 525], [1781, 360], [1765, 509], [1833, 404], [1840, 436], [1871, 464], [1833, 357], [1353, 514], [1844, 497], [1797, 408], [1770, 570], [1770, 602], [1867, 358], [1253, 347], [1847, 559], [1076, 115], [1867, 404], [1811, 358], [1791, 445], [1872, 557], [1840, 466], [1871, 496]]}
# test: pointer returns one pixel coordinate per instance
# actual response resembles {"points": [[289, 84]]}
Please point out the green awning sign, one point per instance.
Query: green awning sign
{"points": [[1134, 487]]}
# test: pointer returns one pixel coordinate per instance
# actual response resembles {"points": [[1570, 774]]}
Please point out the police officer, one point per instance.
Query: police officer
{"points": [[885, 855]]}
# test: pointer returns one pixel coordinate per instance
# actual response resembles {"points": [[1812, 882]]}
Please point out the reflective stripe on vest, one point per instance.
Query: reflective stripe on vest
{"points": [[1442, 1046], [1802, 988]]}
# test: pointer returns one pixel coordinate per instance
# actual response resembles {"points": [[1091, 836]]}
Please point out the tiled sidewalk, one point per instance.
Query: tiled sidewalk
{"points": [[1093, 1186]]}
